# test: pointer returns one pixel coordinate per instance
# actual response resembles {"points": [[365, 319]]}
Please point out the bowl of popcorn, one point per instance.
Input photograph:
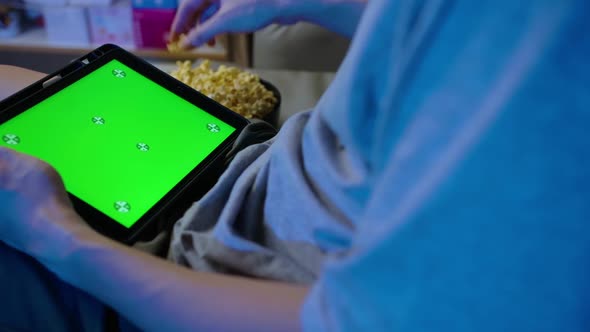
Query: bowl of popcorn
{"points": [[240, 91]]}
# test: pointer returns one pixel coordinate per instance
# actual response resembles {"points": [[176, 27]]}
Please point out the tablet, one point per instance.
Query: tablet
{"points": [[128, 139]]}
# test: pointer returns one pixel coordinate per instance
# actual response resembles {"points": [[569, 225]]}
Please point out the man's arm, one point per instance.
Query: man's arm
{"points": [[154, 294], [13, 79], [157, 295], [192, 19], [37, 218]]}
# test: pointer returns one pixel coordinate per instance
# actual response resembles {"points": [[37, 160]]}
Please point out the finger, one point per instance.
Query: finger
{"points": [[14, 161], [209, 11], [46, 169], [186, 16], [14, 157], [3, 152], [10, 162], [55, 181], [206, 32], [7, 155]]}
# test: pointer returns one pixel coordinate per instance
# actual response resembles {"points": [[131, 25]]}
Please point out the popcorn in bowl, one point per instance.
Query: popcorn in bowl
{"points": [[238, 90]]}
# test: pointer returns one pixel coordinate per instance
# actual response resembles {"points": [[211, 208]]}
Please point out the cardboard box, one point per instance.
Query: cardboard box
{"points": [[67, 25], [151, 27], [112, 25]]}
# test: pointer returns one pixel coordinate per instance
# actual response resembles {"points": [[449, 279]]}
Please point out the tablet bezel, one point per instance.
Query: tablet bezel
{"points": [[36, 93]]}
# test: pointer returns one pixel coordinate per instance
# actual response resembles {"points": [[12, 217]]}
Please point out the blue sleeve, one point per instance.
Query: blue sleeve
{"points": [[478, 216]]}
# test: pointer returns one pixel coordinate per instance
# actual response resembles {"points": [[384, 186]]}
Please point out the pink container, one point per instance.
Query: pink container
{"points": [[152, 26]]}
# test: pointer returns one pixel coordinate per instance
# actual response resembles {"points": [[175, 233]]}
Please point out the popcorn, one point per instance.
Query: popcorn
{"points": [[235, 89], [174, 46]]}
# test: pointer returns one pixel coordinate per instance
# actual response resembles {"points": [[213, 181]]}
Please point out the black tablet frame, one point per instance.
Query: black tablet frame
{"points": [[199, 180]]}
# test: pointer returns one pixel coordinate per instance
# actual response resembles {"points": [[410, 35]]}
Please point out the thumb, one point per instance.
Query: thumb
{"points": [[10, 165], [6, 155]]}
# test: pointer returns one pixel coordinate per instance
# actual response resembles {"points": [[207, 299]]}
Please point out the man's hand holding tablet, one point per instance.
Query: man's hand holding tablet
{"points": [[129, 140], [37, 213]]}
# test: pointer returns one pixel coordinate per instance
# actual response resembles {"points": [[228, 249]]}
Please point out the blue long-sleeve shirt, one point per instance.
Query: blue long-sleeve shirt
{"points": [[441, 184]]}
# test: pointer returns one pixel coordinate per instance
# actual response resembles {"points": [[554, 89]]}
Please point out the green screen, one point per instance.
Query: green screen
{"points": [[120, 141]]}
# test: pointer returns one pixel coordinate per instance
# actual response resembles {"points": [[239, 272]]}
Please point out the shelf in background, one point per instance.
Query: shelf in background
{"points": [[35, 41]]}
